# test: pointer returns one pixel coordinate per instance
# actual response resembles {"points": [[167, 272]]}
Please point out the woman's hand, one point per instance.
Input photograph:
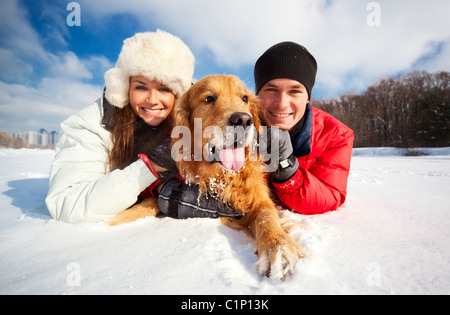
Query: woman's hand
{"points": [[162, 162], [157, 168]]}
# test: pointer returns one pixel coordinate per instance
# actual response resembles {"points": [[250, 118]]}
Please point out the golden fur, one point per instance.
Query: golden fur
{"points": [[245, 190]]}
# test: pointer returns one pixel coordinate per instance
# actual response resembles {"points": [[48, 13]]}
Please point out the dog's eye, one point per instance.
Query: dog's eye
{"points": [[245, 99], [210, 99]]}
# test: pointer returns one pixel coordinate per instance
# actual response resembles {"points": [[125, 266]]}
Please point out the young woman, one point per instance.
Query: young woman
{"points": [[118, 148]]}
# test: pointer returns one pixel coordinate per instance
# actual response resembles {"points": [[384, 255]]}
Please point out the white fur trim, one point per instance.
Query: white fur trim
{"points": [[157, 56]]}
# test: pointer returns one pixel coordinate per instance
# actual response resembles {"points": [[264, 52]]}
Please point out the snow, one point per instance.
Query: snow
{"points": [[390, 237]]}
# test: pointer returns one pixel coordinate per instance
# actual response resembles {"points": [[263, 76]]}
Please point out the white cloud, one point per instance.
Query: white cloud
{"points": [[12, 67], [18, 35], [348, 50], [52, 101], [97, 64], [441, 61], [58, 91], [68, 65]]}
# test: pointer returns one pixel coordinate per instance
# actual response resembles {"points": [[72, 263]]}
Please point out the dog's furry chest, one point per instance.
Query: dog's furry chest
{"points": [[230, 186], [216, 182]]}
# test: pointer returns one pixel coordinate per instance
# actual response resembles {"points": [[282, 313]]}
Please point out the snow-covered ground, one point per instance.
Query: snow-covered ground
{"points": [[392, 236]]}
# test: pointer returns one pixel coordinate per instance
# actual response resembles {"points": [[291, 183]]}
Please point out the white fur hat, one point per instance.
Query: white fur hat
{"points": [[158, 56]]}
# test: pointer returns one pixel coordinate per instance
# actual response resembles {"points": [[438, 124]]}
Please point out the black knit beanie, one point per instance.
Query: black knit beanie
{"points": [[286, 60]]}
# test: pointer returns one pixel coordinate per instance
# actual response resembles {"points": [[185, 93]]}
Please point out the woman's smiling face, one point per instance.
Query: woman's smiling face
{"points": [[150, 100], [283, 103]]}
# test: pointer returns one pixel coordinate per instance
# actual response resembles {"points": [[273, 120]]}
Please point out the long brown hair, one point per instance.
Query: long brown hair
{"points": [[122, 137]]}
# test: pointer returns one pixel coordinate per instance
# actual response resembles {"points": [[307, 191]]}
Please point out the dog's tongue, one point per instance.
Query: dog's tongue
{"points": [[232, 158]]}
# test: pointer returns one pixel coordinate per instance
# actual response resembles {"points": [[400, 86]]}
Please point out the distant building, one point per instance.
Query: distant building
{"points": [[53, 137], [39, 138], [43, 137], [33, 138]]}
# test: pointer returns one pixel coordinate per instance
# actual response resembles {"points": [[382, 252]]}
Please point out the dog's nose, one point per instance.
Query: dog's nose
{"points": [[240, 120]]}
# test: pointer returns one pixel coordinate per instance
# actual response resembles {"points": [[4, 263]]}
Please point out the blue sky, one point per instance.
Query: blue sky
{"points": [[50, 70]]}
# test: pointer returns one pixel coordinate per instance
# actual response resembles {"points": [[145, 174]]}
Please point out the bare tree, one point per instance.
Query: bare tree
{"points": [[404, 111]]}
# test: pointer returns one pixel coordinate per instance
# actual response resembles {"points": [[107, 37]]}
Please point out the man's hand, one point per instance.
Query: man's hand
{"points": [[276, 147]]}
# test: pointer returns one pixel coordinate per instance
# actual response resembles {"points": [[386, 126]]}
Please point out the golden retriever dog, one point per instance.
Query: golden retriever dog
{"points": [[235, 176]]}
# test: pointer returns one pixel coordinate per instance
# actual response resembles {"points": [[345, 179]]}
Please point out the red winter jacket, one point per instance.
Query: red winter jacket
{"points": [[320, 184]]}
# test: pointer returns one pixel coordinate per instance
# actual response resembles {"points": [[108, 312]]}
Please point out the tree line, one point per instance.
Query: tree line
{"points": [[11, 142], [8, 141], [412, 110]]}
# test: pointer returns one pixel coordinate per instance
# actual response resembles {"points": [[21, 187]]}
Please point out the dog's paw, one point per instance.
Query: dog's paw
{"points": [[278, 261]]}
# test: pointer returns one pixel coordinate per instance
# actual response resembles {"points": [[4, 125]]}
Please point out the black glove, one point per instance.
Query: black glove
{"points": [[161, 155], [276, 146], [183, 201], [153, 142]]}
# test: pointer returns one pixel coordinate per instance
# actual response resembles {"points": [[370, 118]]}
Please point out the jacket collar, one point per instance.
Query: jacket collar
{"points": [[301, 141], [108, 111]]}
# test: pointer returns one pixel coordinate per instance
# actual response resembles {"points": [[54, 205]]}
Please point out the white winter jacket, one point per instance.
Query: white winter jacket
{"points": [[81, 187]]}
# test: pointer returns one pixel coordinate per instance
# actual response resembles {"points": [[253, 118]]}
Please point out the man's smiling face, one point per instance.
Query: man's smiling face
{"points": [[283, 102]]}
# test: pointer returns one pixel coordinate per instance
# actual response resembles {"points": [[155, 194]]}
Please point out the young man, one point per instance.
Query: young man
{"points": [[315, 148]]}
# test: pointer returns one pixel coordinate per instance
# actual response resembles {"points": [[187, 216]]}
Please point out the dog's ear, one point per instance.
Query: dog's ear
{"points": [[182, 111], [181, 117], [181, 151], [254, 109]]}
